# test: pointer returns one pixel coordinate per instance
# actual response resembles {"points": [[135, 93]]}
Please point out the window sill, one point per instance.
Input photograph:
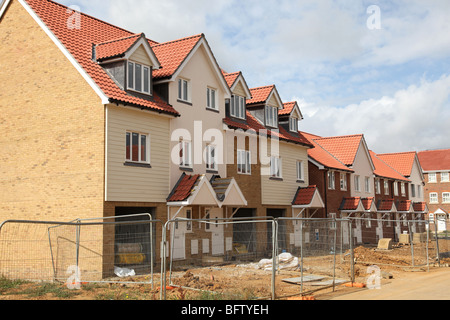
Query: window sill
{"points": [[212, 171], [186, 169], [276, 178], [213, 110], [185, 102], [137, 165], [300, 181]]}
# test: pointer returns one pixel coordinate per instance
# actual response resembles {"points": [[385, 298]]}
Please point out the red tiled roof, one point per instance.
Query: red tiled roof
{"points": [[420, 206], [172, 54], [253, 124], [385, 205], [382, 169], [304, 196], [435, 160], [404, 205], [288, 107], [184, 188], [350, 203], [402, 162], [260, 94], [322, 156], [78, 43], [115, 48], [344, 148], [367, 202], [231, 78]]}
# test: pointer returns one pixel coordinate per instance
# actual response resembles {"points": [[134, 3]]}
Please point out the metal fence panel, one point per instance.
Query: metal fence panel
{"points": [[89, 250]]}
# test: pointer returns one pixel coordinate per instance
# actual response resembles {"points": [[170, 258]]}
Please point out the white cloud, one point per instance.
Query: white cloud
{"points": [[416, 118]]}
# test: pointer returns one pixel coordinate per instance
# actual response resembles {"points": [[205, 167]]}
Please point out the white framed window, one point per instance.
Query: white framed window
{"points": [[271, 116], [184, 90], [419, 190], [445, 177], [434, 197], [139, 77], [432, 177], [137, 147], [331, 180], [293, 124], [395, 188], [237, 107], [413, 190], [275, 167], [357, 180], [185, 154], [211, 157], [188, 217], [386, 187], [211, 99], [377, 186], [367, 184], [300, 171], [343, 181], [446, 197], [403, 189], [244, 162]]}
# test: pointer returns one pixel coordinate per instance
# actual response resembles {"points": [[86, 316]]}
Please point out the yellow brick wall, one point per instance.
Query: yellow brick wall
{"points": [[52, 128]]}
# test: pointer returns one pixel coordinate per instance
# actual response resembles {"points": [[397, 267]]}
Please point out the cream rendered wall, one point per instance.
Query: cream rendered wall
{"points": [[135, 184], [416, 179], [276, 192], [362, 167], [141, 56], [201, 74]]}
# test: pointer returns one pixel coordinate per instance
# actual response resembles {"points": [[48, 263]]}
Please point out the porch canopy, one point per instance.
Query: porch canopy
{"points": [[192, 190], [306, 199], [352, 205], [386, 207]]}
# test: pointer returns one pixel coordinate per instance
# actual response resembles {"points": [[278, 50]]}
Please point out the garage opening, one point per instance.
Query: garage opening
{"points": [[133, 241]]}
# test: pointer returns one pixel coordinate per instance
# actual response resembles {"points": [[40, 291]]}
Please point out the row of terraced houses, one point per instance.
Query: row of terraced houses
{"points": [[99, 121]]}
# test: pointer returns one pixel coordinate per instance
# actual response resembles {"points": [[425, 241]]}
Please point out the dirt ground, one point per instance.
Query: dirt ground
{"points": [[240, 281]]}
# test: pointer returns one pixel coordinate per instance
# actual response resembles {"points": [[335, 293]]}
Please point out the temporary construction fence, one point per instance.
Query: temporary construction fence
{"points": [[270, 258], [397, 243], [83, 250], [239, 258]]}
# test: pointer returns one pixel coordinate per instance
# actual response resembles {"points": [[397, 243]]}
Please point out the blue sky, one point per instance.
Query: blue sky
{"points": [[391, 84]]}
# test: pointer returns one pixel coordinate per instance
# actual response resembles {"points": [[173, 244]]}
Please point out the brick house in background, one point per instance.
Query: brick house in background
{"points": [[436, 169]]}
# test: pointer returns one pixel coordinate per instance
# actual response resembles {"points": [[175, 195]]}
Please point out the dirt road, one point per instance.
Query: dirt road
{"points": [[433, 285]]}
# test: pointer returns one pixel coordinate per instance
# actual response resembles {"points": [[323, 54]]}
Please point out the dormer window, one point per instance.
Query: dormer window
{"points": [[237, 107], [293, 124], [271, 117], [139, 78]]}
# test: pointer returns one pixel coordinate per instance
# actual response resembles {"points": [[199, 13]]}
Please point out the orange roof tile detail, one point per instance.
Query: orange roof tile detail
{"points": [[385, 205], [435, 160], [344, 148], [288, 107], [184, 188], [420, 206], [404, 205], [322, 156], [382, 169], [172, 54], [260, 94], [402, 162], [367, 202], [231, 78], [304, 196], [78, 43], [350, 203], [115, 48]]}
